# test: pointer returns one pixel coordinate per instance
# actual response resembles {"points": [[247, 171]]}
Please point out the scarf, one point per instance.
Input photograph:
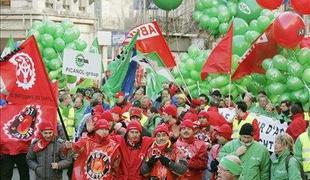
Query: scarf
{"points": [[41, 144]]}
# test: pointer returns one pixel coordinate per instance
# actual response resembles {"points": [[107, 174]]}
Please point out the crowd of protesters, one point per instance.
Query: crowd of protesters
{"points": [[172, 137]]}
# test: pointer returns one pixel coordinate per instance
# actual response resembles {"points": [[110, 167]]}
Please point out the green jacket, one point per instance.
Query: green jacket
{"points": [[255, 161], [278, 169], [78, 115], [298, 150], [152, 123]]}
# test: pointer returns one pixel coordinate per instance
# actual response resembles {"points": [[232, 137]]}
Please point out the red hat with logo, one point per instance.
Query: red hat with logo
{"points": [[193, 117], [117, 110], [134, 125], [107, 115], [134, 111], [171, 110], [196, 102], [102, 124], [46, 125], [203, 114], [224, 130], [161, 128], [119, 94], [187, 123]]}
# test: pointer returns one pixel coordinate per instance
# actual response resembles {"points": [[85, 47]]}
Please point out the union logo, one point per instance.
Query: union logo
{"points": [[25, 70], [98, 165], [244, 8], [21, 126]]}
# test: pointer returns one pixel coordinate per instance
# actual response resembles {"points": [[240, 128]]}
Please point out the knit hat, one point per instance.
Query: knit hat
{"points": [[134, 125], [136, 112], [107, 115], [161, 128], [203, 114], [196, 102], [246, 129], [187, 123], [119, 94], [116, 110], [171, 110], [45, 125], [225, 131], [101, 124], [193, 117]]}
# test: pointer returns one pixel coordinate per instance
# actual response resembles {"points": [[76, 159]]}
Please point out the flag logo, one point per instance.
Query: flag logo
{"points": [[21, 126], [244, 8], [80, 60], [25, 70], [97, 165]]}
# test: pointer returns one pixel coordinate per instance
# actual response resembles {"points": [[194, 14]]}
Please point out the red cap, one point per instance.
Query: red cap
{"points": [[196, 102], [101, 124], [193, 117], [107, 115], [225, 131], [134, 125], [134, 111], [119, 94], [161, 128], [98, 109], [45, 125], [117, 110], [187, 123], [171, 110], [203, 114]]}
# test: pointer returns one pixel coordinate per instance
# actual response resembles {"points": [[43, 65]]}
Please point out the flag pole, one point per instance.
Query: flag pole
{"points": [[229, 90]]}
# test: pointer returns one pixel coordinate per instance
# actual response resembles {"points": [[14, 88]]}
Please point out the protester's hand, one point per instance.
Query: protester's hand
{"points": [[54, 165], [241, 150], [152, 161], [68, 144], [164, 160]]}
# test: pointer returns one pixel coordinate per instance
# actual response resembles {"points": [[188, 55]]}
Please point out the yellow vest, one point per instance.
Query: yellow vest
{"points": [[305, 141], [126, 116], [307, 117], [69, 122], [238, 124]]}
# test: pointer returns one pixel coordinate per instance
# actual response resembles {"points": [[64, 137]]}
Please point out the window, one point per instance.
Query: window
{"points": [[5, 2]]}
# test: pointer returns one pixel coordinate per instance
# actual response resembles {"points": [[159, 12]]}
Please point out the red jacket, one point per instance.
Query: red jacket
{"points": [[132, 158], [297, 126], [96, 159], [214, 117], [196, 153]]}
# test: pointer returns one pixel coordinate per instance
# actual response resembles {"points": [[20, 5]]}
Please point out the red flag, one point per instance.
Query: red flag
{"points": [[152, 40], [219, 61], [264, 47], [31, 97], [25, 78]]}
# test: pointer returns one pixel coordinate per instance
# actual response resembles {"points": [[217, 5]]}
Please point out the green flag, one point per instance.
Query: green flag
{"points": [[95, 47], [119, 71], [10, 46], [86, 83]]}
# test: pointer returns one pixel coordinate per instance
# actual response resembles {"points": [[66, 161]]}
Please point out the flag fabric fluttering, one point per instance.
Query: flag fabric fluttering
{"points": [[119, 69], [95, 47], [10, 46], [219, 60], [152, 40], [32, 98], [263, 47]]}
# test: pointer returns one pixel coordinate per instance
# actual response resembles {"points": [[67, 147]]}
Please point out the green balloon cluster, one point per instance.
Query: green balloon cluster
{"points": [[52, 39]]}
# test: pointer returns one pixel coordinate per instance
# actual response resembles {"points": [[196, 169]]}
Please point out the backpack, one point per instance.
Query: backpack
{"points": [[302, 173]]}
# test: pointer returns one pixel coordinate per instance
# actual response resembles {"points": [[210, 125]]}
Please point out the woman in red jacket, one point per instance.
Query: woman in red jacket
{"points": [[298, 124]]}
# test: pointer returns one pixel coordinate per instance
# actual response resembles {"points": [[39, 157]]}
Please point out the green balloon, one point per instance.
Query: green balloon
{"points": [[35, 33], [80, 45], [36, 24], [235, 62], [294, 83], [59, 45], [199, 6], [263, 22], [47, 40], [259, 78], [168, 4], [53, 74], [193, 51], [41, 48], [304, 56], [206, 3], [40, 28], [224, 16], [254, 87], [70, 46], [184, 57], [67, 24], [254, 26], [284, 96], [195, 75], [178, 81], [190, 65], [273, 75], [295, 95], [223, 28], [221, 81], [295, 69], [240, 26], [250, 36], [68, 36], [62, 85], [267, 64], [49, 53], [197, 15], [71, 79], [232, 7], [204, 22], [59, 31], [213, 23], [248, 10], [49, 27], [304, 97], [54, 64], [212, 12], [190, 81], [240, 45], [306, 75], [76, 33], [280, 62], [276, 88]]}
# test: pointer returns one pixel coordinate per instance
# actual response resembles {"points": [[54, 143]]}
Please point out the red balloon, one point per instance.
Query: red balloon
{"points": [[288, 29], [269, 4], [301, 6]]}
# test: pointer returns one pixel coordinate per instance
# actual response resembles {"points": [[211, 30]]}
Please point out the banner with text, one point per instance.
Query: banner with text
{"points": [[81, 64]]}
